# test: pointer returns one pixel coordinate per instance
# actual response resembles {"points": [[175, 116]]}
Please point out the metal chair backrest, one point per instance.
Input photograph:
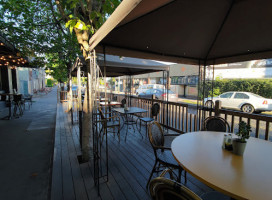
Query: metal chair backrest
{"points": [[114, 98], [17, 97], [161, 188], [123, 102], [214, 123], [155, 135], [155, 109]]}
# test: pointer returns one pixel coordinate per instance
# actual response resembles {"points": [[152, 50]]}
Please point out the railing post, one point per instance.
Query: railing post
{"points": [[152, 100], [217, 108]]}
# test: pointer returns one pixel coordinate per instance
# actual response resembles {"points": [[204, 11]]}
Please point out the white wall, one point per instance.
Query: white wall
{"points": [[244, 73]]}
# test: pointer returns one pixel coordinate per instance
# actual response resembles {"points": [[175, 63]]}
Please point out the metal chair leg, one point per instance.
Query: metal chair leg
{"points": [[153, 170]]}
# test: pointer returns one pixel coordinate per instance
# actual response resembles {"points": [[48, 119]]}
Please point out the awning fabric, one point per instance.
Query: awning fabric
{"points": [[188, 31], [121, 66], [9, 55]]}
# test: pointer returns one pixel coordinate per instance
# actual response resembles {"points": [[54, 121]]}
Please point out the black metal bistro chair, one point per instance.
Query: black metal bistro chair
{"points": [[18, 110], [123, 102], [28, 100], [109, 122], [163, 155], [155, 109], [162, 188], [215, 123]]}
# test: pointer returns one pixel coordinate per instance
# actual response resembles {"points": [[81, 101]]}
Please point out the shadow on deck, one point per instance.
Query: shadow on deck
{"points": [[130, 164]]}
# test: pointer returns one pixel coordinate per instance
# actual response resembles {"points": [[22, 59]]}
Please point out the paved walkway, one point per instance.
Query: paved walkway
{"points": [[26, 150]]}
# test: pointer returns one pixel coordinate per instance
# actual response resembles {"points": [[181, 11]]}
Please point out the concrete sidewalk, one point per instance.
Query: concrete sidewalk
{"points": [[26, 150]]}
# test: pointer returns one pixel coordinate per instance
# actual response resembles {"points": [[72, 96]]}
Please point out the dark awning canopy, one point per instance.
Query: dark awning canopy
{"points": [[9, 55], [188, 31], [121, 66]]}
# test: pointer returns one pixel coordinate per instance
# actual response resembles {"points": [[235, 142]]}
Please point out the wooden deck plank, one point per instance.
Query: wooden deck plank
{"points": [[56, 171], [79, 186], [67, 179], [131, 176], [130, 164], [89, 182]]}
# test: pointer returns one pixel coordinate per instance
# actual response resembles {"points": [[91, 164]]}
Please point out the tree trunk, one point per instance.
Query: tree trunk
{"points": [[87, 117]]}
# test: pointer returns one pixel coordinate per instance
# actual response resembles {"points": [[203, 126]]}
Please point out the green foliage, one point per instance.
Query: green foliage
{"points": [[38, 29], [49, 83], [57, 67], [243, 131], [262, 87]]}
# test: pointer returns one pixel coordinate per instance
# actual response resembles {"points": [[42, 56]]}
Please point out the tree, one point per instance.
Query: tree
{"points": [[84, 17], [37, 29]]}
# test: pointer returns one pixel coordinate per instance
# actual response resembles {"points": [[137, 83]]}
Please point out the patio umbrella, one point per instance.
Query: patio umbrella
{"points": [[188, 31]]}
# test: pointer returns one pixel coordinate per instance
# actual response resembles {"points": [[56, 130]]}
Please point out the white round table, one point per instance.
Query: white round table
{"points": [[241, 177]]}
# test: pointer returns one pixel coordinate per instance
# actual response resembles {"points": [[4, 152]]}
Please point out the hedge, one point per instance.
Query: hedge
{"points": [[49, 83], [262, 87]]}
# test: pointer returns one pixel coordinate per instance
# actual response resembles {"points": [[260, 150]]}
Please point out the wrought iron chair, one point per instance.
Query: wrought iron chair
{"points": [[214, 123], [17, 99], [162, 188], [114, 98], [155, 109], [28, 99], [163, 155], [109, 122], [123, 102]]}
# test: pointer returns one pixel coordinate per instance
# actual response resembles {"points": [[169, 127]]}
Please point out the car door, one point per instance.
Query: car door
{"points": [[225, 98], [148, 94], [239, 99]]}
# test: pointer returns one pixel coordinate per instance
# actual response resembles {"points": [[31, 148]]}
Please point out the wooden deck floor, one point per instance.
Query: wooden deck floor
{"points": [[130, 164]]}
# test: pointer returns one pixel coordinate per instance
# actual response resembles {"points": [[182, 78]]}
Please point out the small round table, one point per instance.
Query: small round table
{"points": [[241, 177]]}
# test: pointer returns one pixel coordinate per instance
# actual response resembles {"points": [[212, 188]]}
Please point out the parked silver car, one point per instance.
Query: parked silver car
{"points": [[244, 101], [159, 94]]}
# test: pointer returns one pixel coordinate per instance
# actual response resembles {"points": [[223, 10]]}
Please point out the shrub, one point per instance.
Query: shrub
{"points": [[49, 83], [262, 87]]}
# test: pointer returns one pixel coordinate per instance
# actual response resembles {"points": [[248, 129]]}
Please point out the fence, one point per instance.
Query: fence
{"points": [[177, 117]]}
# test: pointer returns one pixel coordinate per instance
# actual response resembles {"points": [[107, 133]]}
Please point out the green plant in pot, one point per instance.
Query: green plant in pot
{"points": [[239, 144]]}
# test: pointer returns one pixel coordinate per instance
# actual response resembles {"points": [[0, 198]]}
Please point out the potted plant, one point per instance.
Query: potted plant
{"points": [[239, 144]]}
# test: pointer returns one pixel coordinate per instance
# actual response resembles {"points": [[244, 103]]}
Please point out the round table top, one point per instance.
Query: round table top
{"points": [[241, 177]]}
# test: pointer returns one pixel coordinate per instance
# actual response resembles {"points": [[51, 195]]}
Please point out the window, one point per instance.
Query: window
{"points": [[226, 95], [239, 95], [143, 86]]}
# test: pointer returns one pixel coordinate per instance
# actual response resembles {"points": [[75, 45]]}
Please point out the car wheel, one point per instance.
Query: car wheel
{"points": [[247, 108], [209, 104]]}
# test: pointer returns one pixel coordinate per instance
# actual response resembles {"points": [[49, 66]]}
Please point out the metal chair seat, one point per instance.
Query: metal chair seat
{"points": [[155, 109], [163, 155], [166, 157], [147, 119]]}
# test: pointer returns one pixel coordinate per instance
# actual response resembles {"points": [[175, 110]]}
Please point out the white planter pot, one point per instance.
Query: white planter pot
{"points": [[238, 147]]}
